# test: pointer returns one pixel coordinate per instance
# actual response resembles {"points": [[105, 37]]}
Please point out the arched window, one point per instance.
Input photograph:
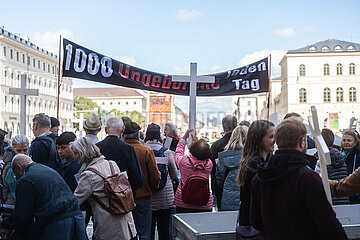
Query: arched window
{"points": [[352, 94], [339, 69], [326, 69], [325, 49], [339, 94], [352, 69], [338, 48], [302, 95], [302, 70], [327, 97]]}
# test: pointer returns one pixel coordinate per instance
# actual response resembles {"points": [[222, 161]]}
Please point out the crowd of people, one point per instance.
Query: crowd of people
{"points": [[58, 183]]}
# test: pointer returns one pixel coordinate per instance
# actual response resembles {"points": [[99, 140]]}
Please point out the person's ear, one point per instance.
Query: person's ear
{"points": [[106, 130], [303, 142]]}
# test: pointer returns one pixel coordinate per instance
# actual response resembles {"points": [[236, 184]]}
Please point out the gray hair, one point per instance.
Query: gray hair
{"points": [[86, 149], [131, 135], [114, 124], [172, 127], [42, 120], [20, 159], [19, 139], [229, 123]]}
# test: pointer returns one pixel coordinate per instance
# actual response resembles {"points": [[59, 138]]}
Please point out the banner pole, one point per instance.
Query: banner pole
{"points": [[268, 104], [58, 92]]}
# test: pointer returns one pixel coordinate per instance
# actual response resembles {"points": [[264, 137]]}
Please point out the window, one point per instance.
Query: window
{"points": [[23, 58], [5, 73], [38, 64], [326, 69], [327, 95], [34, 62], [312, 49], [325, 49], [339, 95], [12, 75], [28, 61], [43, 66], [339, 69], [249, 103], [110, 103], [134, 103], [302, 95], [249, 113], [48, 68], [351, 48], [352, 94], [127, 103], [11, 53], [53, 70], [17, 56], [338, 48], [118, 103], [302, 70], [4, 51], [103, 103], [352, 69]]}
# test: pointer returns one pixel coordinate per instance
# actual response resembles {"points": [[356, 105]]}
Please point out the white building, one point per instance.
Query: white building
{"points": [[119, 98], [325, 74], [19, 56], [249, 107]]}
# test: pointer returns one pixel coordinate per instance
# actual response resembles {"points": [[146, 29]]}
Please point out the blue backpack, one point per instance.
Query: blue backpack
{"points": [[162, 167]]}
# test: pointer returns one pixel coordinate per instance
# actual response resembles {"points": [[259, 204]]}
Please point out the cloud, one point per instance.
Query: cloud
{"points": [[50, 40], [126, 59], [184, 15], [276, 56], [286, 32]]}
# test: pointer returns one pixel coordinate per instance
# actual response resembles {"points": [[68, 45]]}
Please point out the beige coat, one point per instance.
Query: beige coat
{"points": [[106, 225]]}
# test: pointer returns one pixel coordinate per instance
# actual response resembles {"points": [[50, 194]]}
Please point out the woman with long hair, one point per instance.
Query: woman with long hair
{"points": [[259, 144], [227, 169], [351, 153]]}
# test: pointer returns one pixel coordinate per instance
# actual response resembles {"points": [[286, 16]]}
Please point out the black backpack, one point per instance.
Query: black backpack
{"points": [[54, 160], [162, 167]]}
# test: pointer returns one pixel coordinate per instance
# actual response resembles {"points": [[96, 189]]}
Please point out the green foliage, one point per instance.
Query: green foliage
{"points": [[134, 115]]}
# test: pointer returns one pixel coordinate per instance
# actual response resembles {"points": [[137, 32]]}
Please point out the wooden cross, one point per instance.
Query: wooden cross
{"points": [[23, 92], [193, 79], [323, 151]]}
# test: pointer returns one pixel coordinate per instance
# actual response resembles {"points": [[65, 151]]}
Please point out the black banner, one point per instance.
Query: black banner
{"points": [[80, 62]]}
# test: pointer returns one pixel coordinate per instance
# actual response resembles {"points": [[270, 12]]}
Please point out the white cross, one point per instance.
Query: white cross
{"points": [[193, 79], [23, 92], [323, 151]]}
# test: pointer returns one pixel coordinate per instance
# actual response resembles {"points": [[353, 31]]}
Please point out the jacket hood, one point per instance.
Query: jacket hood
{"points": [[337, 159], [230, 158], [281, 165]]}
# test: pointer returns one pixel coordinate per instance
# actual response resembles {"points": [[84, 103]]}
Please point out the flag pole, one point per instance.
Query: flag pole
{"points": [[268, 103], [58, 87]]}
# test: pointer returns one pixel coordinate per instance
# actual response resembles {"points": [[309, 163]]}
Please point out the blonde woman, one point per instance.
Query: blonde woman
{"points": [[227, 169]]}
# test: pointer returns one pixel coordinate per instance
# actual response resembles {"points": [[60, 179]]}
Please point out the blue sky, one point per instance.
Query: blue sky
{"points": [[165, 36]]}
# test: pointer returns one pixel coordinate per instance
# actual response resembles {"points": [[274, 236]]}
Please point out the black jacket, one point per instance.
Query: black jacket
{"points": [[245, 192], [41, 193], [68, 171], [288, 200], [352, 163], [124, 155]]}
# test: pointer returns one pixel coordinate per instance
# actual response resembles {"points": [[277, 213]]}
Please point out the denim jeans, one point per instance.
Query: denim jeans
{"points": [[161, 218], [142, 219], [72, 228]]}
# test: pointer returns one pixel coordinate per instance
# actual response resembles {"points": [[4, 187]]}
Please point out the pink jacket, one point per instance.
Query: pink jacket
{"points": [[185, 168]]}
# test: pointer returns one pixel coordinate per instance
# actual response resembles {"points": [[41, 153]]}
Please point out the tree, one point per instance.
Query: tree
{"points": [[84, 103], [134, 115]]}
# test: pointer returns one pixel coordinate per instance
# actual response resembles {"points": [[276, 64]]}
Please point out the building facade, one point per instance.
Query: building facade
{"points": [[249, 107], [19, 56], [325, 75], [122, 99]]}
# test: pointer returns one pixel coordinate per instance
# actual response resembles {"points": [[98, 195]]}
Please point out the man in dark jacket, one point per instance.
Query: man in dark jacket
{"points": [[288, 199], [122, 153], [45, 207], [43, 147], [142, 211], [229, 123]]}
